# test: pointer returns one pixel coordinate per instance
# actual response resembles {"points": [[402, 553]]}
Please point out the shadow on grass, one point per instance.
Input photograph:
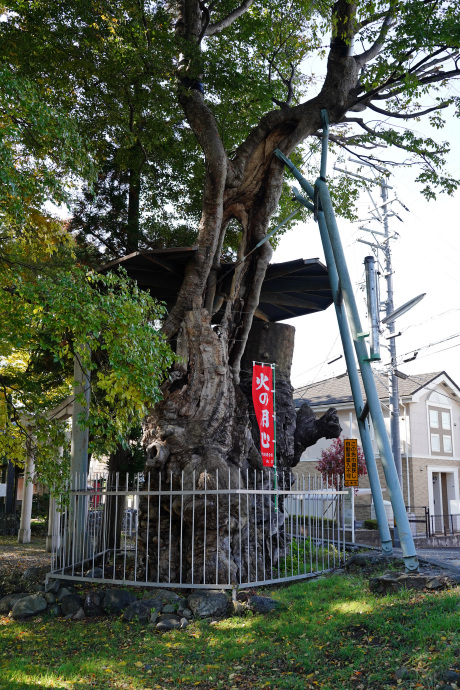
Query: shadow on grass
{"points": [[332, 634]]}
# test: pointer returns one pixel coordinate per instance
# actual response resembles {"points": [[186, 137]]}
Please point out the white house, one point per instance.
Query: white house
{"points": [[430, 436]]}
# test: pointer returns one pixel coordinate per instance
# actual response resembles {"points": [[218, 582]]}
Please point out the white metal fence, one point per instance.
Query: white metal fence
{"points": [[198, 530]]}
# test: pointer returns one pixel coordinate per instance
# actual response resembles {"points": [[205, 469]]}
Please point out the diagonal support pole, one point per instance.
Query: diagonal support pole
{"points": [[352, 369], [383, 443], [345, 304]]}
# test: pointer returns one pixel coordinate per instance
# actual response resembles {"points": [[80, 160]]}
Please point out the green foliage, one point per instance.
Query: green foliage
{"points": [[302, 557], [51, 315], [102, 79], [370, 524], [39, 145], [41, 506]]}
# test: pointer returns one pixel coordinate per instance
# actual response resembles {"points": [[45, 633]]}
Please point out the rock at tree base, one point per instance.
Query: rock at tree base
{"points": [[263, 604], [451, 676], [92, 604], [142, 610], [7, 603], [393, 581], [168, 624], [165, 595], [116, 600], [63, 592], [28, 606], [205, 604], [370, 560], [95, 572], [53, 586], [169, 608], [53, 610], [71, 604], [79, 616]]}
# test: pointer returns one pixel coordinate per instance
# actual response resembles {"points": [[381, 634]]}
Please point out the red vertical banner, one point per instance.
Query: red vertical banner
{"points": [[262, 398]]}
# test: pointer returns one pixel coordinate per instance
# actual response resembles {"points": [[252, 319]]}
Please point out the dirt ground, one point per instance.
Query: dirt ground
{"points": [[23, 556]]}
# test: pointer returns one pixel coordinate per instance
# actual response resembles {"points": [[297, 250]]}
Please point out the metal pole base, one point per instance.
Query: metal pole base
{"points": [[411, 564], [387, 548]]}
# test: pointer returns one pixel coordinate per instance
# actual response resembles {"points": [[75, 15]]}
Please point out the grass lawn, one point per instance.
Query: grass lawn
{"points": [[333, 634]]}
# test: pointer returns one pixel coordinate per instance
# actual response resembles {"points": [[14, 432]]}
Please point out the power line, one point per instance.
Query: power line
{"points": [[425, 347]]}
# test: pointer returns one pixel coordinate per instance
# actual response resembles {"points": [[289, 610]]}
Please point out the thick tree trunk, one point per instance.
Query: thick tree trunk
{"points": [[204, 435]]}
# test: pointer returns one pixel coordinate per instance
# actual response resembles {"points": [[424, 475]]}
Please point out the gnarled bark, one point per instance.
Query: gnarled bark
{"points": [[204, 435]]}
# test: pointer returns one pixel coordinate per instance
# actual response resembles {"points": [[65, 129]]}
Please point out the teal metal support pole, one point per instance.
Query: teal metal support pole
{"points": [[306, 186], [394, 489], [347, 344]]}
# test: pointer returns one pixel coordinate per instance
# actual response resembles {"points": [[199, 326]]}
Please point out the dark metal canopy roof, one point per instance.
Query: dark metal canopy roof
{"points": [[290, 289]]}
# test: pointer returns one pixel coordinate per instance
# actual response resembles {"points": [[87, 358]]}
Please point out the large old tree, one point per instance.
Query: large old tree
{"points": [[184, 104]]}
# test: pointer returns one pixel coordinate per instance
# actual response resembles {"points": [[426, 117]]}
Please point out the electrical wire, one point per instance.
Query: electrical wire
{"points": [[432, 318], [425, 347]]}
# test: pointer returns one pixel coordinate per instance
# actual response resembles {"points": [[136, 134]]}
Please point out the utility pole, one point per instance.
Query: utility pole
{"points": [[381, 242], [389, 309]]}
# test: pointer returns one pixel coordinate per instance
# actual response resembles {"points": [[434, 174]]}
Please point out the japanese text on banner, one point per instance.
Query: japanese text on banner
{"points": [[262, 397], [350, 448]]}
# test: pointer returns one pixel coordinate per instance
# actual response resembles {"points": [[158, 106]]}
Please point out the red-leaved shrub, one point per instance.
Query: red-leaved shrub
{"points": [[332, 463]]}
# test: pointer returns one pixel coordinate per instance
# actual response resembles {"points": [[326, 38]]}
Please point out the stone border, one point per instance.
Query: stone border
{"points": [[160, 609]]}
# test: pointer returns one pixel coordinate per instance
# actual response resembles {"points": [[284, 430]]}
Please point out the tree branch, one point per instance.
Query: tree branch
{"points": [[375, 94], [370, 20], [422, 64], [376, 48], [217, 27], [407, 116]]}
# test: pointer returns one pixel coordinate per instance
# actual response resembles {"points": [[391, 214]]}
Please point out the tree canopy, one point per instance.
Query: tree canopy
{"points": [[127, 73]]}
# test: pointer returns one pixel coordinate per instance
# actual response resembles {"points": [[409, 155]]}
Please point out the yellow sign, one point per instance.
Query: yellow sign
{"points": [[350, 449]]}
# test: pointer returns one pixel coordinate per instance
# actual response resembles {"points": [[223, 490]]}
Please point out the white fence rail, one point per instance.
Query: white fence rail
{"points": [[198, 530]]}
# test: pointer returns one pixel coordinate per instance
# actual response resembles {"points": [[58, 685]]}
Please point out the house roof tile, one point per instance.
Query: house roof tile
{"points": [[337, 390]]}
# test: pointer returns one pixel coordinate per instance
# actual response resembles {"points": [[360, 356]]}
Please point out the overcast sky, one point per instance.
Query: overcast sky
{"points": [[426, 258]]}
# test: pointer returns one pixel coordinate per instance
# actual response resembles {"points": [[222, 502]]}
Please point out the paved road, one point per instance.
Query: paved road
{"points": [[442, 557]]}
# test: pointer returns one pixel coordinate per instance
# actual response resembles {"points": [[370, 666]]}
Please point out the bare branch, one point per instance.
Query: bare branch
{"points": [[407, 116], [375, 94], [423, 64], [287, 82], [370, 20], [342, 141], [359, 121], [217, 27]]}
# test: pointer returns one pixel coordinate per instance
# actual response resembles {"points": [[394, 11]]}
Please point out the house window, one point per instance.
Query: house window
{"points": [[440, 431]]}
